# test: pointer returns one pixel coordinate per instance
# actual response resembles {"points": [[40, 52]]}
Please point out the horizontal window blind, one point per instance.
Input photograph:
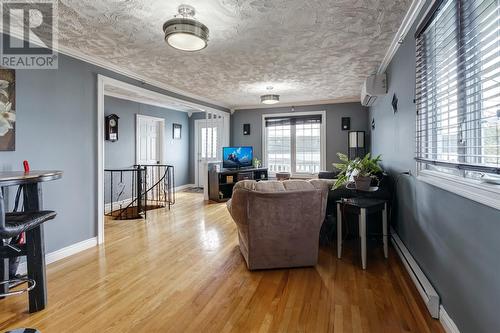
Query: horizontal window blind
{"points": [[293, 120], [458, 88]]}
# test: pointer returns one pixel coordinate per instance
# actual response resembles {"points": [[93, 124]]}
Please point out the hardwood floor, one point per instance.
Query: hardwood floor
{"points": [[181, 271]]}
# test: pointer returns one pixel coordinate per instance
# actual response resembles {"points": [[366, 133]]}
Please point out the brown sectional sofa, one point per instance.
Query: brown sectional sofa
{"points": [[279, 222]]}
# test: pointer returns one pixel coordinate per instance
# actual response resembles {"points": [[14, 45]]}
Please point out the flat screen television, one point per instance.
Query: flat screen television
{"points": [[237, 157]]}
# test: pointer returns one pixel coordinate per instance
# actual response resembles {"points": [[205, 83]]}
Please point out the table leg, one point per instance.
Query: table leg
{"points": [[385, 231], [339, 231], [35, 249], [362, 235], [4, 263], [4, 275], [35, 258]]}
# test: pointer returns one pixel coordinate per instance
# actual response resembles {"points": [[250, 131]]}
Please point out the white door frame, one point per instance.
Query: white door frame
{"points": [[146, 97], [162, 136], [197, 123]]}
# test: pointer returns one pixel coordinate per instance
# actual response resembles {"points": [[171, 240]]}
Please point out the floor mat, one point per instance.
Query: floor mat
{"points": [[194, 190]]}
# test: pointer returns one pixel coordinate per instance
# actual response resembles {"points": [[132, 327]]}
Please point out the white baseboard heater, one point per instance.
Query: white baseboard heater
{"points": [[424, 287]]}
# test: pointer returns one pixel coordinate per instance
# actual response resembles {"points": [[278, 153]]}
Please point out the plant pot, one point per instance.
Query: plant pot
{"points": [[362, 182]]}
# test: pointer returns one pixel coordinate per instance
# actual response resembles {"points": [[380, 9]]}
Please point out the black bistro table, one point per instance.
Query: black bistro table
{"points": [[35, 248]]}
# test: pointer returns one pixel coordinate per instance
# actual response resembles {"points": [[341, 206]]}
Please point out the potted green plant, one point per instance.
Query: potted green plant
{"points": [[360, 169]]}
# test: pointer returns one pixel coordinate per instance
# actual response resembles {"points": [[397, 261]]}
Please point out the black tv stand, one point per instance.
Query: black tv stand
{"points": [[220, 183]]}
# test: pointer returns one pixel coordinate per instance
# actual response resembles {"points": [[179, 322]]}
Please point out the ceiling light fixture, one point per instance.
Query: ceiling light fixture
{"points": [[184, 32], [269, 98]]}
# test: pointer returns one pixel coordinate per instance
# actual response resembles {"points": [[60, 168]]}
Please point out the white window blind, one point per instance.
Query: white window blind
{"points": [[293, 144], [458, 88]]}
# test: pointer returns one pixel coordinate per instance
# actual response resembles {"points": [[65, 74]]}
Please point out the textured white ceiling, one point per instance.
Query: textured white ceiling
{"points": [[308, 50]]}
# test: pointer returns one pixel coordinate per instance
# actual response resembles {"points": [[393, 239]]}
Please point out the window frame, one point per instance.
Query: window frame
{"points": [[470, 188], [322, 140]]}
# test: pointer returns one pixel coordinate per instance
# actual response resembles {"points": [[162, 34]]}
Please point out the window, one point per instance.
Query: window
{"points": [[293, 143], [458, 89], [209, 142]]}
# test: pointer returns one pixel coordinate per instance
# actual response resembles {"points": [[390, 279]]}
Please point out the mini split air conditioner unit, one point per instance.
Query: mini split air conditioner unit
{"points": [[375, 85]]}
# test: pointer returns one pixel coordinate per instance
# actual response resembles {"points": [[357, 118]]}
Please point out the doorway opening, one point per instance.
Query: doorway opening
{"points": [[210, 135], [145, 140]]}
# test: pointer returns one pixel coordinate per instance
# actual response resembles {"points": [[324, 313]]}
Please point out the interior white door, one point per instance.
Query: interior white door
{"points": [[149, 143], [208, 141], [149, 140]]}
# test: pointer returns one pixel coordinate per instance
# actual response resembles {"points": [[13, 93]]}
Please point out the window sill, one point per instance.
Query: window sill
{"points": [[486, 194]]}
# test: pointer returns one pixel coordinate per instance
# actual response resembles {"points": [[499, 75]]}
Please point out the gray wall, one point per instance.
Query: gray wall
{"points": [[336, 139], [454, 240], [121, 154], [56, 129]]}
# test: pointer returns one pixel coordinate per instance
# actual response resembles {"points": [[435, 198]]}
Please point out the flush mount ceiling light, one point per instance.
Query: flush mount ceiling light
{"points": [[184, 32], [269, 98]]}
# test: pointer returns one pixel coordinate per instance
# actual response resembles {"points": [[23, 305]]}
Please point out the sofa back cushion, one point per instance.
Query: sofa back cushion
{"points": [[270, 186], [297, 185], [246, 184]]}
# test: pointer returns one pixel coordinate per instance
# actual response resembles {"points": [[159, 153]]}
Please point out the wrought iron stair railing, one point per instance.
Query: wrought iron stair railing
{"points": [[131, 192]]}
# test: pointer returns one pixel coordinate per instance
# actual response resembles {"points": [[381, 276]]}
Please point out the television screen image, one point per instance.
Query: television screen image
{"points": [[237, 157]]}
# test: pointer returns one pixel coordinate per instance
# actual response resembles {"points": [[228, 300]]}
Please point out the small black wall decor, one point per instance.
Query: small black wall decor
{"points": [[346, 123], [177, 131], [112, 127], [394, 103], [246, 129], [373, 123]]}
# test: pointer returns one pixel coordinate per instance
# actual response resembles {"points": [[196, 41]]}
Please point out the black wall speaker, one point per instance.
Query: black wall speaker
{"points": [[346, 123], [246, 129]]}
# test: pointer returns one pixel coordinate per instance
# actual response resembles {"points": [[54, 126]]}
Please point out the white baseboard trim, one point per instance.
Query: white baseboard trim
{"points": [[125, 202], [116, 205], [448, 323], [63, 253], [423, 285], [183, 187]]}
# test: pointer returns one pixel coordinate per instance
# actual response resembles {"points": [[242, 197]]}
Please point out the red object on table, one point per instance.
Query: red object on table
{"points": [[26, 166]]}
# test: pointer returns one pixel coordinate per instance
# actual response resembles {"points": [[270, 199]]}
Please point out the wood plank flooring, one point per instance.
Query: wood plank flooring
{"points": [[181, 271]]}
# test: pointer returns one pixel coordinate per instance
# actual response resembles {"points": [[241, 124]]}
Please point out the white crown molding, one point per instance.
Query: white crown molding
{"points": [[76, 54], [408, 21], [150, 97], [141, 100], [303, 103]]}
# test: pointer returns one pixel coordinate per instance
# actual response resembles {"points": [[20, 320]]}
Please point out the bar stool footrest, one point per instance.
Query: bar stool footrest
{"points": [[18, 281]]}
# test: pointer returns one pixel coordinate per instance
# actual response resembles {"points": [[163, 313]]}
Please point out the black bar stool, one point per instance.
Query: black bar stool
{"points": [[11, 226]]}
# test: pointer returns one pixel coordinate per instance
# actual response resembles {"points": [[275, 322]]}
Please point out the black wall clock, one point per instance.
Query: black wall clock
{"points": [[112, 127]]}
